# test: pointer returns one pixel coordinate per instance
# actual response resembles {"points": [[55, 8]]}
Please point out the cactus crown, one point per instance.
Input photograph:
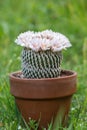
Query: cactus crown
{"points": [[42, 53]]}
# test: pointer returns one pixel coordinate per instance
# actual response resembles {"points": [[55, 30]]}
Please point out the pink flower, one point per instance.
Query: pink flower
{"points": [[45, 40]]}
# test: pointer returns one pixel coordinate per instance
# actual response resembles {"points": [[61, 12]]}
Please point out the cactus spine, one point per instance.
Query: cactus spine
{"points": [[42, 64]]}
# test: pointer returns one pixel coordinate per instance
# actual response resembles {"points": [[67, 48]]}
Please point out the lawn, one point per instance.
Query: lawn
{"points": [[68, 17]]}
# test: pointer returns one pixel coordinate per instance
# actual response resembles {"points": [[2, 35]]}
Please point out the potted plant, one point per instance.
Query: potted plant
{"points": [[42, 89]]}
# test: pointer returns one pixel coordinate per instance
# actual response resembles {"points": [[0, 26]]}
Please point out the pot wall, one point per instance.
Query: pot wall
{"points": [[45, 110]]}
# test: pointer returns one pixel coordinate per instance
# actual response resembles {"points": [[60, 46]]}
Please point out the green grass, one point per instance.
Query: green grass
{"points": [[68, 17]]}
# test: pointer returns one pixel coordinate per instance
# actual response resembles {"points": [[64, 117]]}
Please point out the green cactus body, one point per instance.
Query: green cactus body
{"points": [[42, 64]]}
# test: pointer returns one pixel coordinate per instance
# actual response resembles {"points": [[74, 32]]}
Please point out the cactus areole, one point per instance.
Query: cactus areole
{"points": [[42, 89]]}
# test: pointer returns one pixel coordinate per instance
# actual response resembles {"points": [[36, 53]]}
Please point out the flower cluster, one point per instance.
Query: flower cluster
{"points": [[45, 40]]}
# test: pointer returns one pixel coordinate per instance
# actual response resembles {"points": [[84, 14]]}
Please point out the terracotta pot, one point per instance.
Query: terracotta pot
{"points": [[43, 98]]}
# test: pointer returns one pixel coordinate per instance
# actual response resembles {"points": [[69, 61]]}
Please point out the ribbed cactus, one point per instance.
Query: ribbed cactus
{"points": [[42, 53], [42, 64]]}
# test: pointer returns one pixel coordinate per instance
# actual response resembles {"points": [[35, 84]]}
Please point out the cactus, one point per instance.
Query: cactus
{"points": [[42, 53], [42, 64]]}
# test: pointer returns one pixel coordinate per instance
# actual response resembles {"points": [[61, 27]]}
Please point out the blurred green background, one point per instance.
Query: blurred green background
{"points": [[68, 17]]}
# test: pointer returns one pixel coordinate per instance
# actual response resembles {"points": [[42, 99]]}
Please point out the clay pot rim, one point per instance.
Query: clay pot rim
{"points": [[51, 87], [71, 74]]}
